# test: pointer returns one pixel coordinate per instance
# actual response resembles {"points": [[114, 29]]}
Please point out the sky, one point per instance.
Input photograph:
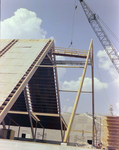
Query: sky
{"points": [[39, 19]]}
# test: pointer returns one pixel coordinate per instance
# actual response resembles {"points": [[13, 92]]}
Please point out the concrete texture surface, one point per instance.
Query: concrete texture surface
{"points": [[23, 145]]}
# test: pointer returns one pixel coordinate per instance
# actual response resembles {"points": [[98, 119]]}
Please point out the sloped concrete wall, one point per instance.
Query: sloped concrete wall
{"points": [[23, 145]]}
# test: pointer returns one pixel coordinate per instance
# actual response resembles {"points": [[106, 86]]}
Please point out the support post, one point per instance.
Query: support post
{"points": [[29, 112], [35, 130], [9, 124], [18, 131], [77, 97], [43, 134], [3, 123], [55, 71], [32, 130], [92, 68]]}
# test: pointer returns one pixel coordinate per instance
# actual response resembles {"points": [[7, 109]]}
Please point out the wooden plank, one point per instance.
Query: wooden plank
{"points": [[111, 131], [111, 144], [110, 118], [111, 124], [111, 128], [112, 136], [110, 147], [113, 140]]}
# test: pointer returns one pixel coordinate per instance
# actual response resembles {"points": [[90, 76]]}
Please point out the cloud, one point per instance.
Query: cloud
{"points": [[118, 53], [116, 113], [116, 81], [52, 38], [104, 61], [106, 64], [65, 108], [69, 110], [23, 25], [74, 85], [117, 104]]}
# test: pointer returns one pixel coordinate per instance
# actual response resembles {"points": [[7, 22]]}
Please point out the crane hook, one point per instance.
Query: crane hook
{"points": [[76, 7], [71, 44]]}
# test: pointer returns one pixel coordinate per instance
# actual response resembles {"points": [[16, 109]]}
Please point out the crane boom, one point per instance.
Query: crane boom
{"points": [[103, 38]]}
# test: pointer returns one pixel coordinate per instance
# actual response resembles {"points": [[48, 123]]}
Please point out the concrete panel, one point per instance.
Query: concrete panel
{"points": [[15, 62], [4, 43], [22, 145]]}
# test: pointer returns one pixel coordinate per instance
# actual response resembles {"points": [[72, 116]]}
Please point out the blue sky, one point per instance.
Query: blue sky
{"points": [[54, 19]]}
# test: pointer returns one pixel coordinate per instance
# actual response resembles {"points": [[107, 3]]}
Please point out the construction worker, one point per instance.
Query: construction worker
{"points": [[82, 132]]}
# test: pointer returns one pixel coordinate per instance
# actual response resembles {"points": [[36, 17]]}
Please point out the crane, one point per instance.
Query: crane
{"points": [[103, 38]]}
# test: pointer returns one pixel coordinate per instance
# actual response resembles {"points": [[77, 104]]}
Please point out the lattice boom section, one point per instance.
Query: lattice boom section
{"points": [[111, 132]]}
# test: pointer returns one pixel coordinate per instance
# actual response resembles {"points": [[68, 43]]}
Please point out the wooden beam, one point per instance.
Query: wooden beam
{"points": [[56, 66], [34, 113], [3, 123], [75, 91], [77, 98], [46, 114], [18, 112], [35, 117]]}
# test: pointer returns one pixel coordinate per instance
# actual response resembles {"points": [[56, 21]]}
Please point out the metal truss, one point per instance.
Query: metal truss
{"points": [[103, 38]]}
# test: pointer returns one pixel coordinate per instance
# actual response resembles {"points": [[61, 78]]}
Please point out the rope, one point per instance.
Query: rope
{"points": [[73, 26], [112, 33], [102, 83]]}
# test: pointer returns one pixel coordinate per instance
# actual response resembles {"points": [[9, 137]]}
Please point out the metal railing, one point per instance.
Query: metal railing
{"points": [[70, 51]]}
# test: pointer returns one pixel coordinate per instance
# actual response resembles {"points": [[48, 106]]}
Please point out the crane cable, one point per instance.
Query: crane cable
{"points": [[111, 32], [114, 36], [102, 83], [109, 29], [71, 43]]}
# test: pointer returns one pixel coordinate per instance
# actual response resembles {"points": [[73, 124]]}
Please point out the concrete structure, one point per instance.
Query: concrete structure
{"points": [[29, 91], [21, 145], [80, 135]]}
